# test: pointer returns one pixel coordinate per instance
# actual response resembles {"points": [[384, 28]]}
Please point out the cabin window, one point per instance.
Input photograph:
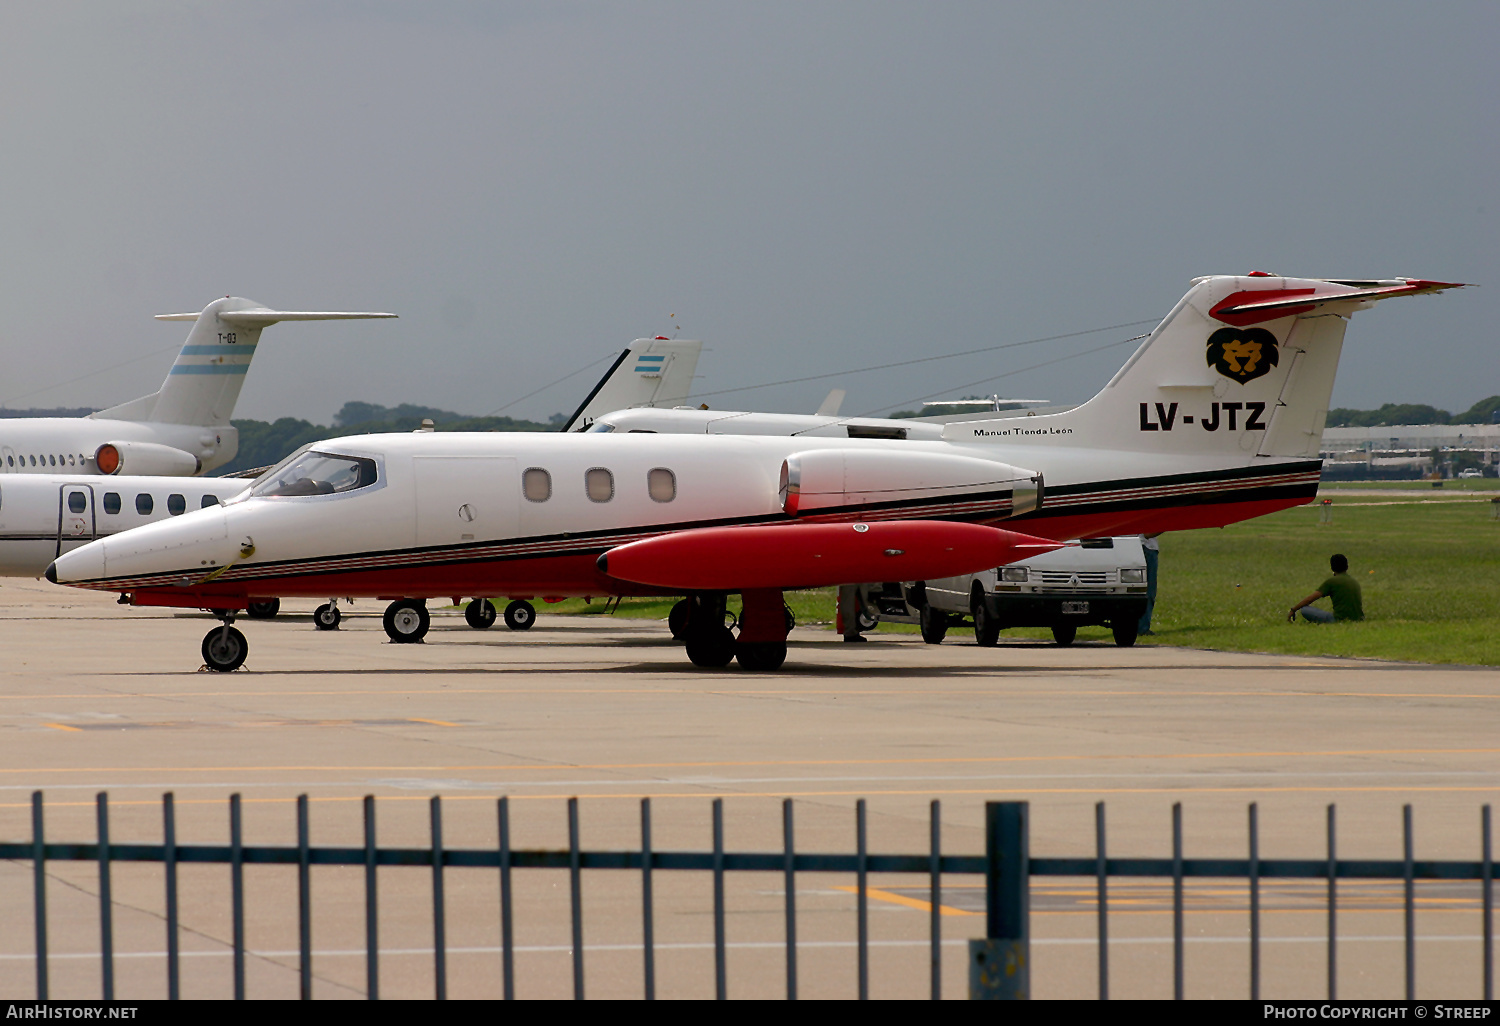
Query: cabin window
{"points": [[209, 500], [10, 461], [54, 460], [77, 502], [600, 428], [70, 459], [318, 473], [176, 505], [144, 504], [536, 484], [600, 484], [33, 461], [662, 484], [111, 502]]}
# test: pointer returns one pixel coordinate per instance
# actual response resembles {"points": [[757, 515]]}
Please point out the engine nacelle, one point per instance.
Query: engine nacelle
{"points": [[858, 480], [150, 458]]}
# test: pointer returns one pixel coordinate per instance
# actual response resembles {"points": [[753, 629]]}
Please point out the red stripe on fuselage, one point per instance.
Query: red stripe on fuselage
{"points": [[577, 574]]}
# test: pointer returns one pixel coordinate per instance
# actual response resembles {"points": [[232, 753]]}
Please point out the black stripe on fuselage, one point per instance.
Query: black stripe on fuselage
{"points": [[587, 543]]}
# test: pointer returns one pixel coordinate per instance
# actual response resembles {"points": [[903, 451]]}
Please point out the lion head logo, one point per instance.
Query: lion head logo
{"points": [[1243, 354]]}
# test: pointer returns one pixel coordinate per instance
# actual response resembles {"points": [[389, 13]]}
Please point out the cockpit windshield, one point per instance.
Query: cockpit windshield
{"points": [[317, 473]]}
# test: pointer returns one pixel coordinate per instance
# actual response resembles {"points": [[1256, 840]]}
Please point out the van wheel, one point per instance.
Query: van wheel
{"points": [[1064, 635], [986, 626], [934, 625], [1125, 632]]}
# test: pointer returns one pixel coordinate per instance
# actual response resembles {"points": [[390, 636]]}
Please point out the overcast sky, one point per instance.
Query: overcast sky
{"points": [[809, 187]]}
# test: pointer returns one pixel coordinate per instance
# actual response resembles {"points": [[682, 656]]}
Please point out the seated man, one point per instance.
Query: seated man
{"points": [[1343, 589]]}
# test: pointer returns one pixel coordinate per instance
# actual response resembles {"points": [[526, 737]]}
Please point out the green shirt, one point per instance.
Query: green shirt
{"points": [[1344, 590]]}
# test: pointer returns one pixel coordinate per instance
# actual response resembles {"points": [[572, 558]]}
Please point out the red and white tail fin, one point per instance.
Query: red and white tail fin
{"points": [[1242, 366]]}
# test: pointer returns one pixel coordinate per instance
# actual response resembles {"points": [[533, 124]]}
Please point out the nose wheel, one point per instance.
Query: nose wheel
{"points": [[224, 649], [326, 617], [406, 621], [480, 614]]}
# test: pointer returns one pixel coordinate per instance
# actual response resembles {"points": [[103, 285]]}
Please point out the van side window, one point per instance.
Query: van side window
{"points": [[536, 484], [600, 484], [111, 502], [77, 502], [144, 504], [209, 500], [662, 484], [176, 504]]}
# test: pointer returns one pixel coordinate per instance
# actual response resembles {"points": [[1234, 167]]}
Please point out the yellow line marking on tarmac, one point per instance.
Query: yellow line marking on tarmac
{"points": [[861, 793], [901, 899], [63, 726], [435, 723], [759, 763]]}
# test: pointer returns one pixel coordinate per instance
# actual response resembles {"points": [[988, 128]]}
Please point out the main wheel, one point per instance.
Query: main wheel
{"points": [[760, 656], [224, 649], [677, 619], [406, 621], [1125, 632], [480, 614], [986, 627], [713, 647], [264, 609], [326, 617], [520, 615], [934, 625], [1064, 634]]}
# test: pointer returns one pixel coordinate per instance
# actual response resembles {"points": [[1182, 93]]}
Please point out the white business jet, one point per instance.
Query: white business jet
{"points": [[180, 430], [1216, 418]]}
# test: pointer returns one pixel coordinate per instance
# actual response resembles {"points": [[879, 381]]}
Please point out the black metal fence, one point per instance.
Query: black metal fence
{"points": [[999, 964]]}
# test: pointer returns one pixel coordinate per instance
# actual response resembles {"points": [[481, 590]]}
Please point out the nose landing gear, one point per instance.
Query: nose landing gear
{"points": [[480, 614], [224, 648], [326, 617]]}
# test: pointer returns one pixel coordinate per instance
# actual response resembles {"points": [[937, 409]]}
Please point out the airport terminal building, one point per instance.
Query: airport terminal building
{"points": [[1407, 450]]}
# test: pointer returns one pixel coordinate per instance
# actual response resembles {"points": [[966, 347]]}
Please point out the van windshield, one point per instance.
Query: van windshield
{"points": [[317, 473]]}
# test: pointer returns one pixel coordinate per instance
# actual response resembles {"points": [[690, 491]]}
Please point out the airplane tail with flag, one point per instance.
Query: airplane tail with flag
{"points": [[205, 381], [652, 372]]}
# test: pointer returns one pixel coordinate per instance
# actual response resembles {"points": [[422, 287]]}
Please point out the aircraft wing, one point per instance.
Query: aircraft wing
{"points": [[262, 317]]}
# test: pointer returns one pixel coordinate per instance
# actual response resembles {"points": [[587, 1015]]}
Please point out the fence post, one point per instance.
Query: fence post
{"points": [[1000, 964]]}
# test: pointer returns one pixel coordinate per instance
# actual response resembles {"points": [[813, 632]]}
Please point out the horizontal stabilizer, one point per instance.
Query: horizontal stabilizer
{"points": [[261, 317], [1246, 308], [816, 555]]}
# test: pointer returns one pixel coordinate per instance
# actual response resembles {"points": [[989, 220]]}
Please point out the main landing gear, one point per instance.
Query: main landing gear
{"points": [[263, 609], [224, 648], [519, 615], [764, 623]]}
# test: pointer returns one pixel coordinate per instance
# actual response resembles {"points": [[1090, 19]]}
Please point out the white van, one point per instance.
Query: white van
{"points": [[1096, 582]]}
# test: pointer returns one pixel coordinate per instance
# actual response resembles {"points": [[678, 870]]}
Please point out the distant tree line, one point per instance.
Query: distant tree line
{"points": [[262, 444], [1482, 412]]}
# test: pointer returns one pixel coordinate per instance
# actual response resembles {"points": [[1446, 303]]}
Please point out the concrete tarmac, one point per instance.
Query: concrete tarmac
{"points": [[98, 697]]}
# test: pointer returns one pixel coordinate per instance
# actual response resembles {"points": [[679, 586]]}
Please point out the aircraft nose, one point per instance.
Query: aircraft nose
{"points": [[51, 574], [85, 563]]}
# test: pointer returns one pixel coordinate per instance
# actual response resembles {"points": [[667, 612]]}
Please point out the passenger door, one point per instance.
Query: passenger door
{"points": [[75, 517], [462, 499]]}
